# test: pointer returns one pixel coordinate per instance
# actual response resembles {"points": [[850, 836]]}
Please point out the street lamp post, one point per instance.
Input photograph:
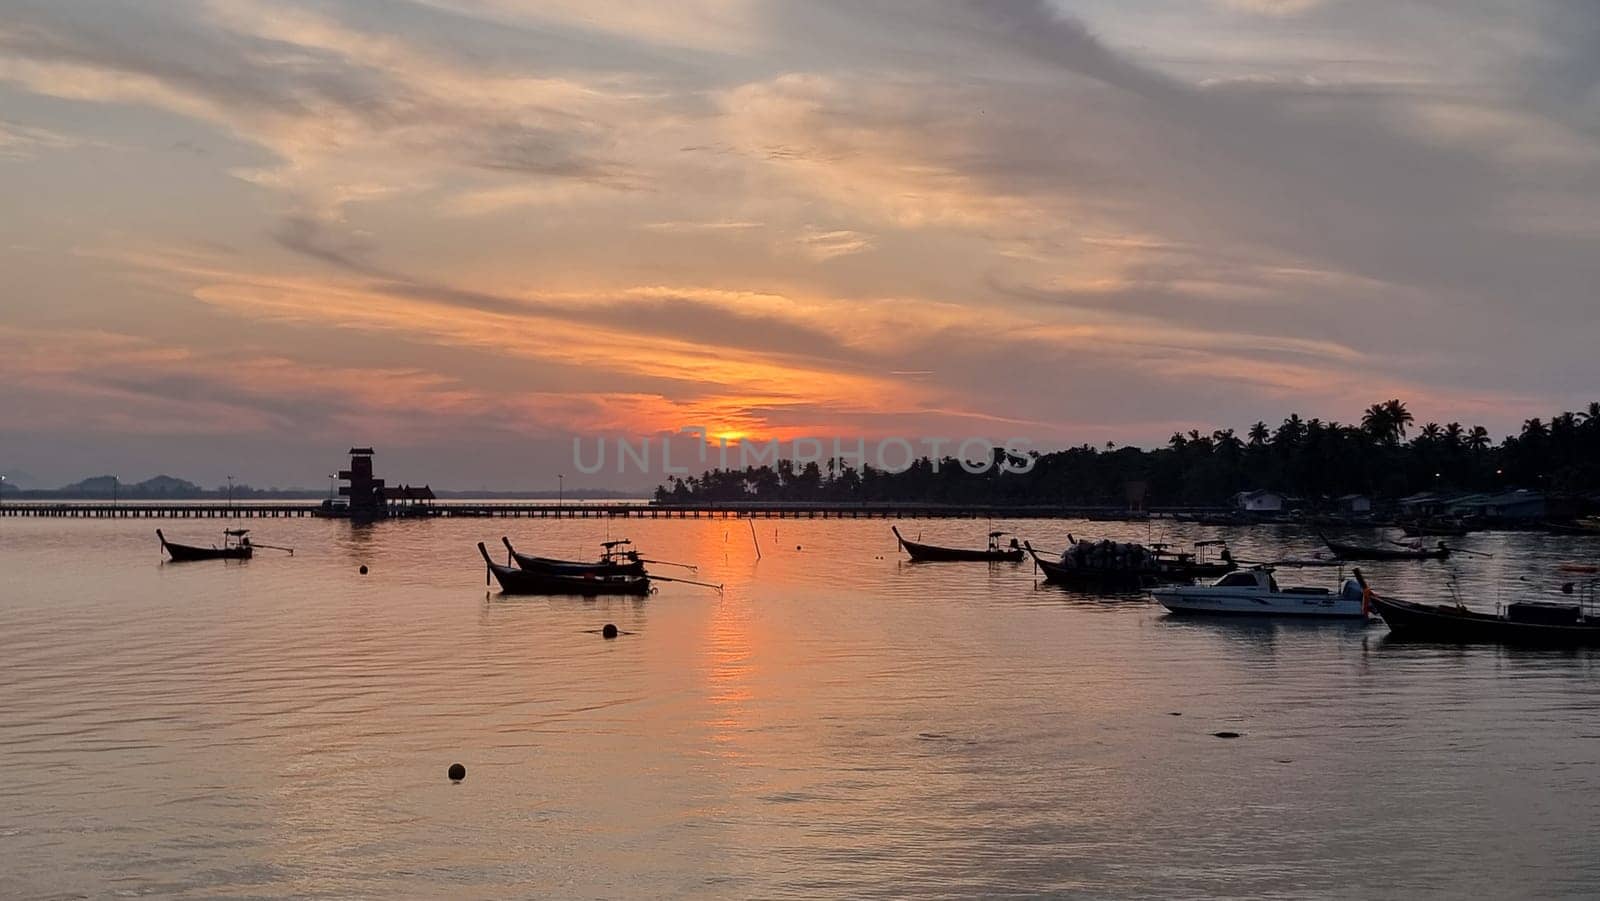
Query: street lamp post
{"points": [[230, 496], [561, 493], [2, 490]]}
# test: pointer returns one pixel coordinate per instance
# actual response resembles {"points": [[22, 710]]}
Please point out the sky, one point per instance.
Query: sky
{"points": [[240, 236]]}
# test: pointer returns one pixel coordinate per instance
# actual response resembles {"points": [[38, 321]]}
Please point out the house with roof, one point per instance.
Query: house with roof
{"points": [[1353, 505], [1520, 504], [1260, 501]]}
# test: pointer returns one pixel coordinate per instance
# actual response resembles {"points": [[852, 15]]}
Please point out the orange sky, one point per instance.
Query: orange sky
{"points": [[241, 236]]}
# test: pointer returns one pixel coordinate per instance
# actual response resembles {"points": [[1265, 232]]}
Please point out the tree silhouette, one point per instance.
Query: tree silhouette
{"points": [[1313, 460]]}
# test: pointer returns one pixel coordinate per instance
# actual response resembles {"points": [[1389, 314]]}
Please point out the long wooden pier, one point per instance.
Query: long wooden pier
{"points": [[548, 510]]}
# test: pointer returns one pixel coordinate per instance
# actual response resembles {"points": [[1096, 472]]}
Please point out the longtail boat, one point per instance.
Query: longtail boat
{"points": [[927, 553], [1573, 527], [1526, 623], [1196, 564], [542, 581], [1435, 528], [235, 546], [1399, 552], [616, 559], [1102, 566]]}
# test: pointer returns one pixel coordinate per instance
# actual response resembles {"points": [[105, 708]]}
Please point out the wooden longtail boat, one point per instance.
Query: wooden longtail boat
{"points": [[1525, 623], [1093, 577], [1196, 564], [1435, 528], [1586, 527], [1123, 566], [613, 562], [927, 553], [539, 581], [235, 546], [1366, 552]]}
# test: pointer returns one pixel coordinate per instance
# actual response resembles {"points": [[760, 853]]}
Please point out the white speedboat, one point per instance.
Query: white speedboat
{"points": [[1254, 592]]}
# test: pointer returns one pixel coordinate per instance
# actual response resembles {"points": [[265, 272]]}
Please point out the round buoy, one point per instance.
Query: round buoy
{"points": [[457, 772], [610, 631], [363, 569], [797, 547]]}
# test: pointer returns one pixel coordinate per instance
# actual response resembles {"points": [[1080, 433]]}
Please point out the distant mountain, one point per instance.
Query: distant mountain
{"points": [[93, 486], [167, 486], [154, 488], [17, 480]]}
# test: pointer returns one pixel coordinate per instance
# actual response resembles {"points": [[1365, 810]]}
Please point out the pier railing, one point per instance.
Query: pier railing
{"points": [[556, 510]]}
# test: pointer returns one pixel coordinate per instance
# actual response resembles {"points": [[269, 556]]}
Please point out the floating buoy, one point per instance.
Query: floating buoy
{"points": [[1227, 734], [1174, 713], [457, 772], [610, 631], [797, 547], [363, 569]]}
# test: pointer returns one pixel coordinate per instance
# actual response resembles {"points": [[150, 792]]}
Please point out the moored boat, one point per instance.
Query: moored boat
{"points": [[615, 558], [1423, 528], [544, 581], [1346, 551], [1123, 566], [1579, 527], [994, 553], [235, 546], [1196, 564], [1525, 622], [1255, 592]]}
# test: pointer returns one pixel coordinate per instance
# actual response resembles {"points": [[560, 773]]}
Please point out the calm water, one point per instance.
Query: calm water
{"points": [[838, 723]]}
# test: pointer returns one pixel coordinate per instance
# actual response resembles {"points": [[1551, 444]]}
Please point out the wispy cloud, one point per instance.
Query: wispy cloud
{"points": [[530, 218]]}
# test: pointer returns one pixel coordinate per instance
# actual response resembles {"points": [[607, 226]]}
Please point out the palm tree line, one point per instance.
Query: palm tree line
{"points": [[1385, 455]]}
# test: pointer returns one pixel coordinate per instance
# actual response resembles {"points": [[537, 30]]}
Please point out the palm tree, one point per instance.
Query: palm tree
{"points": [[1453, 434], [1534, 430], [1375, 422], [1290, 433], [1226, 438], [1430, 434], [1400, 416], [1478, 438], [1259, 434]]}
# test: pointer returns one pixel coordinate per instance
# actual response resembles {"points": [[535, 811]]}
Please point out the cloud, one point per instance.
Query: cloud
{"points": [[825, 245], [336, 106], [24, 142], [529, 218], [1271, 7]]}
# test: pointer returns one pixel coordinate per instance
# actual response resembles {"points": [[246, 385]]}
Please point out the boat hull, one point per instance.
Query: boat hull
{"points": [[572, 567], [1427, 622], [524, 581]]}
